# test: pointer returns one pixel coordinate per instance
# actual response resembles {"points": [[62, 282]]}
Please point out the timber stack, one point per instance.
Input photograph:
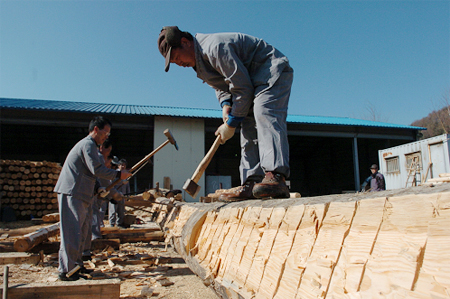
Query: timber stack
{"points": [[27, 187], [389, 244]]}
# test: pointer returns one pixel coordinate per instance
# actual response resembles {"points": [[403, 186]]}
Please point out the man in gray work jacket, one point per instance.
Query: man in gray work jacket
{"points": [[253, 82], [75, 188]]}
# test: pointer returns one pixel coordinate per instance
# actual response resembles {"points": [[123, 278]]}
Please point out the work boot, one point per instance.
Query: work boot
{"points": [[273, 185], [240, 193], [85, 270], [73, 277]]}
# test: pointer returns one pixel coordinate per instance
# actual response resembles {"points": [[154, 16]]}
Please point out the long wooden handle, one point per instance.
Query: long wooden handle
{"points": [[146, 158], [205, 162], [139, 164]]}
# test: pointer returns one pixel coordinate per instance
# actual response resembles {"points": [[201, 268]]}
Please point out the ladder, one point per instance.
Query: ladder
{"points": [[414, 169]]}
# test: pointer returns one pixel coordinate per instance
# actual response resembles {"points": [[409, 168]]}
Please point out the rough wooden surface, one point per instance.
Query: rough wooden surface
{"points": [[390, 244], [101, 289]]}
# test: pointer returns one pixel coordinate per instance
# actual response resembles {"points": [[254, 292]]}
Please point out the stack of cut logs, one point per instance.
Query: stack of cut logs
{"points": [[27, 187]]}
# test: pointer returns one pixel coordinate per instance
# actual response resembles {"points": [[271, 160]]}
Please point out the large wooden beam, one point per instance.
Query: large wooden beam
{"points": [[99, 289], [365, 245]]}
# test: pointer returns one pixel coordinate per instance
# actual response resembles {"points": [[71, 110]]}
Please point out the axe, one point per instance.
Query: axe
{"points": [[145, 160], [191, 186]]}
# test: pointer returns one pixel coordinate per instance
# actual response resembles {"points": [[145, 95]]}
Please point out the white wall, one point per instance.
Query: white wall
{"points": [[179, 165], [434, 148]]}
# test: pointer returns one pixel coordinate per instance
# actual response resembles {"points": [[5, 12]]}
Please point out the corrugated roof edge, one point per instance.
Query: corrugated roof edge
{"points": [[32, 104]]}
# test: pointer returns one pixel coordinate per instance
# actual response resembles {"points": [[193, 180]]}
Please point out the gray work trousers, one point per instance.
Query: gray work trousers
{"points": [[88, 238], [73, 226], [264, 140], [97, 218], [116, 213]]}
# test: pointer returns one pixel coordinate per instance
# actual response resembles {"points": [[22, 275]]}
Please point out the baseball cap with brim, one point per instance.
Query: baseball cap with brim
{"points": [[374, 166], [169, 37]]}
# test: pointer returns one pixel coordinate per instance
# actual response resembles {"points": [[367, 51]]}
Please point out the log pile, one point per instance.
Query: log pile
{"points": [[443, 178], [366, 245], [27, 187]]}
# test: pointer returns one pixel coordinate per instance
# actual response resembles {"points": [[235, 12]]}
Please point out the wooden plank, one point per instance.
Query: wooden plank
{"points": [[304, 240], [320, 264], [19, 258], [99, 289], [280, 250], [393, 265], [357, 247]]}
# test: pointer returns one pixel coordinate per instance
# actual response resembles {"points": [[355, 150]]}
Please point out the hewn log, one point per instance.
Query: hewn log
{"points": [[381, 244], [30, 240]]}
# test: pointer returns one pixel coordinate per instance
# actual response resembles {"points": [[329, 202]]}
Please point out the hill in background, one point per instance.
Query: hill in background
{"points": [[437, 123]]}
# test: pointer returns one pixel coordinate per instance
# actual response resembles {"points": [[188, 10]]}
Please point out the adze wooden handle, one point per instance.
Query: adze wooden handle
{"points": [[206, 160]]}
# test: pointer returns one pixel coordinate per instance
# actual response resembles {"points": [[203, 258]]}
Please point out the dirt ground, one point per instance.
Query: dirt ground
{"points": [[180, 281]]}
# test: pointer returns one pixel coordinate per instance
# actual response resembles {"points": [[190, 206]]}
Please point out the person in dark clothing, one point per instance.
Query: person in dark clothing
{"points": [[375, 182]]}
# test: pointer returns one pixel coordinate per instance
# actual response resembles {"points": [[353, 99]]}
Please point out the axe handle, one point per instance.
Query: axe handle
{"points": [[146, 158], [205, 162], [139, 164]]}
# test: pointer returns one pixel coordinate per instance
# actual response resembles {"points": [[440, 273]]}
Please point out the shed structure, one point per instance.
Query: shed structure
{"points": [[328, 155]]}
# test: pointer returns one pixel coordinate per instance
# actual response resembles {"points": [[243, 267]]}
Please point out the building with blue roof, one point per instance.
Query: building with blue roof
{"points": [[327, 154]]}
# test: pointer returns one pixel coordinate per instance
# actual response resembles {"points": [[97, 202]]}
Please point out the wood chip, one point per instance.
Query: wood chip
{"points": [[165, 282]]}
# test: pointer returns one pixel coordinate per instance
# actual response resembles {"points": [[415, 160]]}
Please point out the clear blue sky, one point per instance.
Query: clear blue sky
{"points": [[393, 56]]}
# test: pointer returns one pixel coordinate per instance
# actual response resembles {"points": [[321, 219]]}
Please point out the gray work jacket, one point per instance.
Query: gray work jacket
{"points": [[80, 170], [235, 65]]}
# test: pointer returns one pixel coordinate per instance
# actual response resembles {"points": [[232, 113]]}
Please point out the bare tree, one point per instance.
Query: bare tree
{"points": [[373, 114]]}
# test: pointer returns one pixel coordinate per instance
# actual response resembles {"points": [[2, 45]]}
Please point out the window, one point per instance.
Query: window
{"points": [[414, 161], [392, 165]]}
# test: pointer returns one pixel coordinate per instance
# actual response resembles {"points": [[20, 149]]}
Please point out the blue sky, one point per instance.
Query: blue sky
{"points": [[348, 56]]}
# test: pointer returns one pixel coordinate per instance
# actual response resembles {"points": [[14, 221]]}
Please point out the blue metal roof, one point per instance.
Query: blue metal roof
{"points": [[52, 105]]}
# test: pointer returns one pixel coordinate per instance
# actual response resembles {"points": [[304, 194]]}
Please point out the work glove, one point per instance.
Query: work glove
{"points": [[225, 132], [226, 109], [102, 192]]}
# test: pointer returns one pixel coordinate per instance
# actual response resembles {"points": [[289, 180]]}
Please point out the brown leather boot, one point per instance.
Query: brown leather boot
{"points": [[273, 185], [240, 193]]}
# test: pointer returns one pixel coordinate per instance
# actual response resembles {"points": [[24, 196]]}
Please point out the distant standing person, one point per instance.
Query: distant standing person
{"points": [[117, 208], [75, 187], [252, 80], [375, 180]]}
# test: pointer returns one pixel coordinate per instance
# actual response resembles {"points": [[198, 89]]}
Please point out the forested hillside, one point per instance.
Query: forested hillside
{"points": [[437, 123]]}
